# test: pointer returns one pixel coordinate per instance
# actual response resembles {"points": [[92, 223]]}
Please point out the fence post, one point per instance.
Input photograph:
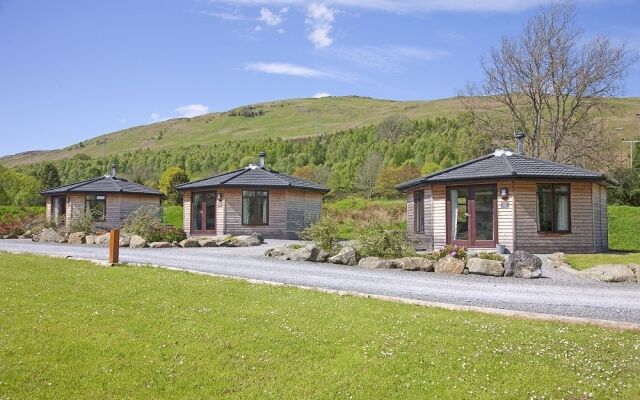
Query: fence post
{"points": [[114, 246]]}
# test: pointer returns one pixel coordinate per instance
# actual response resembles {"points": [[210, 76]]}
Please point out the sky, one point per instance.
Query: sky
{"points": [[72, 70]]}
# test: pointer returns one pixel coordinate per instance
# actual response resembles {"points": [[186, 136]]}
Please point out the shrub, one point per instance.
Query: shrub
{"points": [[381, 242], [323, 232], [146, 221], [81, 222], [490, 256], [166, 233], [451, 250], [11, 225]]}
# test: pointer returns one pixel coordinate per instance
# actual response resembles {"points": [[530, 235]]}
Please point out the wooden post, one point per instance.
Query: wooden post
{"points": [[114, 246]]}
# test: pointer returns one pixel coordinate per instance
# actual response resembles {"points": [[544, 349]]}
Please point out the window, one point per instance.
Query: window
{"points": [[255, 207], [418, 211], [554, 208], [96, 207], [58, 209]]}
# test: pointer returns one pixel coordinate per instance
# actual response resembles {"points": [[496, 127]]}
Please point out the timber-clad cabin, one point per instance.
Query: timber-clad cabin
{"points": [[107, 199], [508, 201], [252, 199]]}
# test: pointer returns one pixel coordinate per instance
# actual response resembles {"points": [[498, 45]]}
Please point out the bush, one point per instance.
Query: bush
{"points": [[166, 233], [381, 242], [451, 250], [81, 222], [324, 233], [146, 221], [11, 225], [490, 256]]}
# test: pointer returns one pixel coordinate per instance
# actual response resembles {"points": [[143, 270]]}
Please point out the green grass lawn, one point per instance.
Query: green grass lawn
{"points": [[71, 329], [624, 222], [584, 261], [173, 215]]}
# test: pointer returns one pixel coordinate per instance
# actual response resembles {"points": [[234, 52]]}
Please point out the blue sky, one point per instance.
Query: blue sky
{"points": [[71, 70]]}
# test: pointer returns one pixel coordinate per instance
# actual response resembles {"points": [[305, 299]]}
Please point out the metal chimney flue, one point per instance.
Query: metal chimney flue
{"points": [[113, 170], [262, 156], [520, 142]]}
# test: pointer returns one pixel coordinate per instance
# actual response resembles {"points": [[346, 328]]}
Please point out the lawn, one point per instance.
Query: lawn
{"points": [[624, 222], [584, 261], [172, 215], [71, 329]]}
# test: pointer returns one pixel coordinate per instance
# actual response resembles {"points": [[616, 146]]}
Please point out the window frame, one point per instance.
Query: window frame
{"points": [[268, 195], [553, 205], [87, 207], [418, 217]]}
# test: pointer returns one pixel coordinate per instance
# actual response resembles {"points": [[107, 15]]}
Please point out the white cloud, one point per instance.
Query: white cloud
{"points": [[320, 18], [191, 110], [270, 18], [321, 95], [286, 69], [227, 16]]}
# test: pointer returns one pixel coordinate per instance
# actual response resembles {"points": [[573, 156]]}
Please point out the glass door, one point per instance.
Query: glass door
{"points": [[203, 212], [471, 216], [459, 217]]}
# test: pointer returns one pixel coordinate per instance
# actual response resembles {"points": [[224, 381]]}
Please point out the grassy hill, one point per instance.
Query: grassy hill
{"points": [[285, 119]]}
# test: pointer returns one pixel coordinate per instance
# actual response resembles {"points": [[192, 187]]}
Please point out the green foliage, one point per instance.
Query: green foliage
{"points": [[146, 221], [490, 256], [627, 189], [48, 175], [171, 177], [18, 189], [11, 225], [584, 261], [381, 242], [83, 222], [172, 215], [451, 250], [324, 233], [356, 214]]}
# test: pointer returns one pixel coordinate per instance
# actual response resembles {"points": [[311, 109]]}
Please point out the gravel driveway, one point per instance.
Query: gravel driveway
{"points": [[556, 293]]}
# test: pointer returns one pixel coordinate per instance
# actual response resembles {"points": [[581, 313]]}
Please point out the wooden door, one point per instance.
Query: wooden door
{"points": [[472, 216], [203, 212]]}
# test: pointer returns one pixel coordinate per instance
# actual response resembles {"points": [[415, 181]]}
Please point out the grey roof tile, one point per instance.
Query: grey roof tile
{"points": [[103, 184]]}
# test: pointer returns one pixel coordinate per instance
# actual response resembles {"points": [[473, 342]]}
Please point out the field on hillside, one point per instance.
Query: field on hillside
{"points": [[71, 329]]}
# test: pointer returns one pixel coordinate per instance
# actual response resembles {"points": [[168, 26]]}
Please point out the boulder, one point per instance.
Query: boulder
{"points": [[449, 265], [125, 240], [376, 262], [137, 242], [11, 236], [25, 236], [322, 256], [190, 242], [636, 268], [481, 266], [255, 239], [309, 252], [610, 273], [415, 264], [160, 245], [49, 235], [90, 239], [102, 240], [77, 238], [521, 264], [348, 255]]}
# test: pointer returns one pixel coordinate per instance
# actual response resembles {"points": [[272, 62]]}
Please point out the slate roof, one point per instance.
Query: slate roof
{"points": [[255, 177], [103, 184], [504, 164]]}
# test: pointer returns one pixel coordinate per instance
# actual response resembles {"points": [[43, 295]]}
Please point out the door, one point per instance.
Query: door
{"points": [[203, 212], [472, 216]]}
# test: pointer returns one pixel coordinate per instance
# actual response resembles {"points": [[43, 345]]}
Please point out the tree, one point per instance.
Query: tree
{"points": [[390, 177], [171, 177], [550, 85], [48, 175], [368, 173], [393, 128], [315, 173]]}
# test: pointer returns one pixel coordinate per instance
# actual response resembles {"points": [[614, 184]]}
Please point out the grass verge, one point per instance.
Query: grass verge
{"points": [[584, 261], [173, 215], [623, 228], [71, 329]]}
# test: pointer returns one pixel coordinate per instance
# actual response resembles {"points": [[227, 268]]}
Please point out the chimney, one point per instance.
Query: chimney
{"points": [[113, 170], [262, 156], [520, 140]]}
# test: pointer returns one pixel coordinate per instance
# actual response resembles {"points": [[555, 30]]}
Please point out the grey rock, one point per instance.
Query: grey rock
{"points": [[90, 239], [255, 239], [322, 256], [449, 265], [190, 242], [11, 236], [481, 266], [137, 242], [125, 240], [49, 235], [309, 252], [610, 273], [160, 245], [77, 238], [636, 268], [521, 264], [558, 258], [25, 236], [348, 255], [376, 262], [415, 264], [102, 240]]}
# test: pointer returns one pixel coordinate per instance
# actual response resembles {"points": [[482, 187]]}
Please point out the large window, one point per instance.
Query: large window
{"points": [[255, 207], [96, 207], [554, 208], [418, 211]]}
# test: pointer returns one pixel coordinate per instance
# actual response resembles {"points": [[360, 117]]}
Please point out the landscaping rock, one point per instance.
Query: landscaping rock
{"points": [[322, 256], [10, 236], [415, 264], [49, 235], [215, 241], [160, 245], [481, 266], [102, 240], [255, 239], [636, 268], [25, 236], [449, 265], [348, 255], [137, 242], [376, 262], [125, 240], [78, 238], [610, 273], [190, 242], [523, 265], [309, 252], [90, 239]]}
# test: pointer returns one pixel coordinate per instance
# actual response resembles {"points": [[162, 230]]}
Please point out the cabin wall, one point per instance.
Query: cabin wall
{"points": [[506, 216], [424, 240], [75, 207], [439, 195], [48, 210], [581, 238], [303, 209], [277, 227], [186, 212]]}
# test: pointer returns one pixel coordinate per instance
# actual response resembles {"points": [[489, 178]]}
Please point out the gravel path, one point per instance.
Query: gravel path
{"points": [[556, 293]]}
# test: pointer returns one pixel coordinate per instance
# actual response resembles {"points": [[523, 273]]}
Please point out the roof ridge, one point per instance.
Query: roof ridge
{"points": [[74, 184], [507, 163], [557, 164], [242, 172], [277, 174]]}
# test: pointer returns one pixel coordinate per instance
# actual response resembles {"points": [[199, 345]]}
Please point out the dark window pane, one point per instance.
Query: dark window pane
{"points": [[459, 215], [96, 207], [255, 207], [418, 211], [196, 211], [484, 213]]}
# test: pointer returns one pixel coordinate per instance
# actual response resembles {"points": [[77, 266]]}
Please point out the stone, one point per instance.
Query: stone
{"points": [[481, 266], [25, 236], [610, 273], [90, 239], [415, 264], [636, 268], [125, 240], [348, 255], [255, 239], [49, 235], [137, 242], [449, 265], [160, 245], [102, 240], [11, 236], [190, 242], [308, 252], [77, 238], [557, 258], [521, 264], [322, 256], [376, 262]]}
